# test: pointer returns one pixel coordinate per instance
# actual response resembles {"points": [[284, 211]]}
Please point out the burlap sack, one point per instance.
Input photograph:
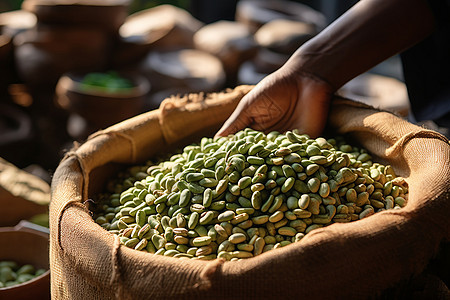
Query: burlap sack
{"points": [[355, 260], [22, 195]]}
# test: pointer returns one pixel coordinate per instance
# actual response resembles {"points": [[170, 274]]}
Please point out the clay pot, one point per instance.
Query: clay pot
{"points": [[99, 109], [6, 58], [26, 244], [229, 41], [42, 55], [5, 48], [23, 194], [106, 15], [265, 62], [383, 92], [284, 36], [160, 28], [17, 135], [14, 22], [188, 70], [164, 27], [256, 13], [248, 74]]}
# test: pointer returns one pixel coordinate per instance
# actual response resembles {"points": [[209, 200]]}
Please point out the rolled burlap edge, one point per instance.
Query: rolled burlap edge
{"points": [[342, 260]]}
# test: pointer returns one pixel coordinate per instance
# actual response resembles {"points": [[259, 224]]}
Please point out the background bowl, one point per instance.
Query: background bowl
{"points": [[26, 243], [99, 109]]}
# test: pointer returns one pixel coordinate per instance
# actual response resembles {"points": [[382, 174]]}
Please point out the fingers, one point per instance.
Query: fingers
{"points": [[237, 121]]}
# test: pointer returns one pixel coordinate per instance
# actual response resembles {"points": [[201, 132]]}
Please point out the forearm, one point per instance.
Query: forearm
{"points": [[368, 33]]}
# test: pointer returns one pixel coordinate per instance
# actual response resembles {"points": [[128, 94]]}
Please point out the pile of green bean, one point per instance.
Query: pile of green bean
{"points": [[11, 273], [239, 196]]}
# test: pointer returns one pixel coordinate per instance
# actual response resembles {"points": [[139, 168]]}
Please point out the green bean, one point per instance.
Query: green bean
{"points": [[239, 196]]}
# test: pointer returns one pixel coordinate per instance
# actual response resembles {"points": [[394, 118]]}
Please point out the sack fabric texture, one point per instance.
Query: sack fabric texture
{"points": [[355, 260]]}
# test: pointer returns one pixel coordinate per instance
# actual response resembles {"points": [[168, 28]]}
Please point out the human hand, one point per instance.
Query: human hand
{"points": [[284, 100]]}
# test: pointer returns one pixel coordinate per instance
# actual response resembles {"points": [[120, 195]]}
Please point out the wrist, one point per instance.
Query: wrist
{"points": [[308, 69], [364, 36]]}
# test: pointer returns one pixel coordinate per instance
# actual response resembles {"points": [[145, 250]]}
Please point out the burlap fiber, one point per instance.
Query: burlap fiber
{"points": [[355, 260]]}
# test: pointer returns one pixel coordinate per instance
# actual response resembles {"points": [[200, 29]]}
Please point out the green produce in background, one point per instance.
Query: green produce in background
{"points": [[239, 196], [110, 82], [11, 273]]}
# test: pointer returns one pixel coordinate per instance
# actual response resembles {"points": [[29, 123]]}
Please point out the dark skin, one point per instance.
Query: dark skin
{"points": [[298, 95]]}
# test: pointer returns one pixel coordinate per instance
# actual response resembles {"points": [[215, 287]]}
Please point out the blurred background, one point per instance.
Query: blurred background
{"points": [[152, 50]]}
